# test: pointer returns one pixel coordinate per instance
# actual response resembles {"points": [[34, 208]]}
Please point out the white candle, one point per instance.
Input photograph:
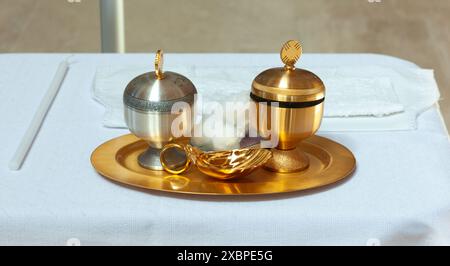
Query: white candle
{"points": [[39, 116]]}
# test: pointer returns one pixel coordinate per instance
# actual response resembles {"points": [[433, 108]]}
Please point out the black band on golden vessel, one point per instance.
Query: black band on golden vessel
{"points": [[286, 104]]}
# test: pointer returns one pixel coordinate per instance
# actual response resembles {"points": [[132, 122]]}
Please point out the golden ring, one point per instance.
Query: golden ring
{"points": [[166, 166]]}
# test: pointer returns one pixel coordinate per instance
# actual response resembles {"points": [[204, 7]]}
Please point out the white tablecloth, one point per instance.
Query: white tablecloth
{"points": [[399, 194]]}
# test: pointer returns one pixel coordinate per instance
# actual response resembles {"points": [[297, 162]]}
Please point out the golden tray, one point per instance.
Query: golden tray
{"points": [[330, 162]]}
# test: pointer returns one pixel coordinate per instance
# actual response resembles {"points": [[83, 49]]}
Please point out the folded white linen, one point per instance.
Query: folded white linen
{"points": [[357, 98], [349, 97]]}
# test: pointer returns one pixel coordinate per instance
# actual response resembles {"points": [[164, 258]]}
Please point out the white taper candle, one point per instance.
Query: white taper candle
{"points": [[39, 116]]}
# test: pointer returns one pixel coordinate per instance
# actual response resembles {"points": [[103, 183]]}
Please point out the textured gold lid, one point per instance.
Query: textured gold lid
{"points": [[288, 84]]}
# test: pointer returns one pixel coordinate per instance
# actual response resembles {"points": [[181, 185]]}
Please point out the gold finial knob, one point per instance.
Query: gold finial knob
{"points": [[290, 53], [159, 64]]}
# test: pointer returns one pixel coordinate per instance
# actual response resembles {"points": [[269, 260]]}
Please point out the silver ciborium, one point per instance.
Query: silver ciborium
{"points": [[148, 101]]}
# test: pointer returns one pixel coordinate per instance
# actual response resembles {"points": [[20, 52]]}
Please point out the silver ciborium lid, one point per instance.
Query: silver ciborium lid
{"points": [[157, 91]]}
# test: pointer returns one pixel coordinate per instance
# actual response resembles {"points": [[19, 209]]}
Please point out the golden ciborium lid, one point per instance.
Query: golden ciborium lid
{"points": [[288, 84]]}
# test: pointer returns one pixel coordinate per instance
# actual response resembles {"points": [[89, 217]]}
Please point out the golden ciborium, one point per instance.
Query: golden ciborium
{"points": [[293, 99]]}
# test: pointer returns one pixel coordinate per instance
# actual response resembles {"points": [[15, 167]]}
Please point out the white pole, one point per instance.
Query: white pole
{"points": [[112, 26]]}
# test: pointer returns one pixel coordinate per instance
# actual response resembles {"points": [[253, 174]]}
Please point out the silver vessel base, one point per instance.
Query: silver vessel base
{"points": [[150, 158]]}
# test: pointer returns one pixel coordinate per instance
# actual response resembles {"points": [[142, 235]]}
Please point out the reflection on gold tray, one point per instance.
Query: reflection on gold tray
{"points": [[330, 162]]}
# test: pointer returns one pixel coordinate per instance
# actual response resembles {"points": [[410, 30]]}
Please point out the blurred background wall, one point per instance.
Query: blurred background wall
{"points": [[416, 30]]}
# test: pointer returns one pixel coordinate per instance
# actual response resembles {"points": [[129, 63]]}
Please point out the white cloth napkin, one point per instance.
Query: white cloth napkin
{"points": [[363, 98]]}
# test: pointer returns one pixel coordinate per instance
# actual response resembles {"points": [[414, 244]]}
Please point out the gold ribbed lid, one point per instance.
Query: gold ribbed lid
{"points": [[288, 84]]}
